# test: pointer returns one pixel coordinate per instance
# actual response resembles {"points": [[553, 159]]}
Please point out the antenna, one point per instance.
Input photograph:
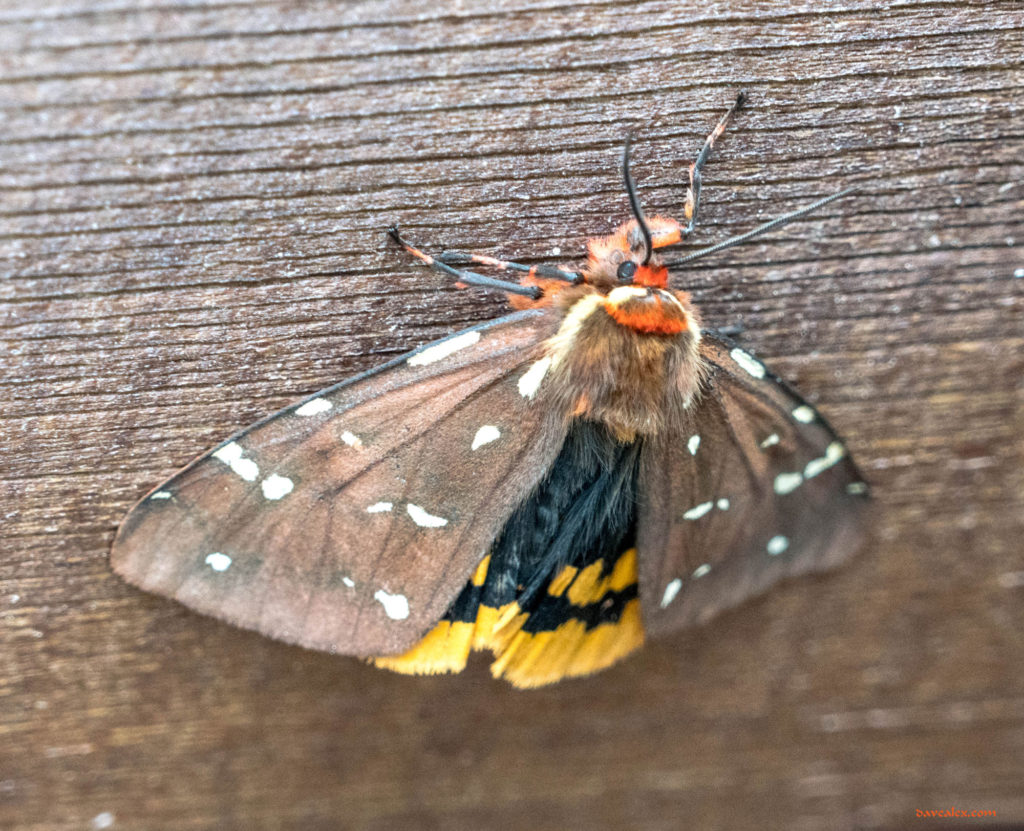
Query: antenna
{"points": [[634, 201], [771, 225]]}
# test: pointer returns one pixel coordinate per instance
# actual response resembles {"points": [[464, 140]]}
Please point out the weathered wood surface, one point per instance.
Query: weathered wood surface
{"points": [[192, 201]]}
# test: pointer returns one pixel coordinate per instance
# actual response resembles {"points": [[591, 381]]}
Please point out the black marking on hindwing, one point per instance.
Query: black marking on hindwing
{"points": [[583, 511]]}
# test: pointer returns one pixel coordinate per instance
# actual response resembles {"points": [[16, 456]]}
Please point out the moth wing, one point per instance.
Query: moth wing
{"points": [[350, 521], [758, 488]]}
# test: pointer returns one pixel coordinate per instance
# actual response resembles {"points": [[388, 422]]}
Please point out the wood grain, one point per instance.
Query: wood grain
{"points": [[192, 199]]}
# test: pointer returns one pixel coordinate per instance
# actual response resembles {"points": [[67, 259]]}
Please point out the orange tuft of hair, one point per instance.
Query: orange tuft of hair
{"points": [[655, 276], [650, 317]]}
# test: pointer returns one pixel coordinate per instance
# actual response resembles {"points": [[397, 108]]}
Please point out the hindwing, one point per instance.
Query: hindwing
{"points": [[557, 595]]}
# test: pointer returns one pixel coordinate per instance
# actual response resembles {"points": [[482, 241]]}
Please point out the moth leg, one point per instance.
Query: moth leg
{"points": [[731, 330], [470, 278], [545, 271], [692, 203]]}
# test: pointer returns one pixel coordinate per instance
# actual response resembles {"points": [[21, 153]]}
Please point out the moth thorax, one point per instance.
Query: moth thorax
{"points": [[636, 382]]}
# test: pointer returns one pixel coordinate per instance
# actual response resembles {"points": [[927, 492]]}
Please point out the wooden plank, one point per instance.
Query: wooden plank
{"points": [[193, 199]]}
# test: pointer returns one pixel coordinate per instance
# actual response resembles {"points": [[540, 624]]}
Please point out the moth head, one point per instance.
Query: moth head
{"points": [[626, 258], [635, 268], [622, 260]]}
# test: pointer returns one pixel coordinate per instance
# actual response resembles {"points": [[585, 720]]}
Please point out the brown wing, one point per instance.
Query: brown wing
{"points": [[350, 521], [758, 488]]}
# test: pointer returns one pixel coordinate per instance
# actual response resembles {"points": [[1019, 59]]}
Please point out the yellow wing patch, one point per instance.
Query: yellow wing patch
{"points": [[577, 635]]}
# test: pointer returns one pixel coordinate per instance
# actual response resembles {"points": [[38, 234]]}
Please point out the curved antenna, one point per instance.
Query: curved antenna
{"points": [[764, 228], [634, 202]]}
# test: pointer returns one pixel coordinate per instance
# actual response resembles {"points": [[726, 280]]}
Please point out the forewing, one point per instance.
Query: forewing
{"points": [[757, 488], [349, 522]]}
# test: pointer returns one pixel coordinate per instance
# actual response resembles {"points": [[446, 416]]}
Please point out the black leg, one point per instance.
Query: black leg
{"points": [[692, 203], [732, 330], [547, 271], [470, 278]]}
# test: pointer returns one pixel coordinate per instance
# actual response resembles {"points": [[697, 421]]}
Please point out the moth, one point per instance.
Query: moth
{"points": [[554, 486]]}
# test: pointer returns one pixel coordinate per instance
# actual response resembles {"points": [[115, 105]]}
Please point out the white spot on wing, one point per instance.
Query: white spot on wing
{"points": [[530, 382], [693, 444], [485, 435], [348, 581], [314, 407], [423, 519], [232, 455], [701, 570], [396, 606], [788, 482], [351, 439], [777, 544], [218, 561], [748, 363], [671, 590], [247, 469], [771, 440], [857, 487], [276, 487], [440, 351], [102, 820], [723, 504], [229, 453], [804, 414], [1011, 579], [379, 508], [697, 511], [833, 453], [161, 495]]}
